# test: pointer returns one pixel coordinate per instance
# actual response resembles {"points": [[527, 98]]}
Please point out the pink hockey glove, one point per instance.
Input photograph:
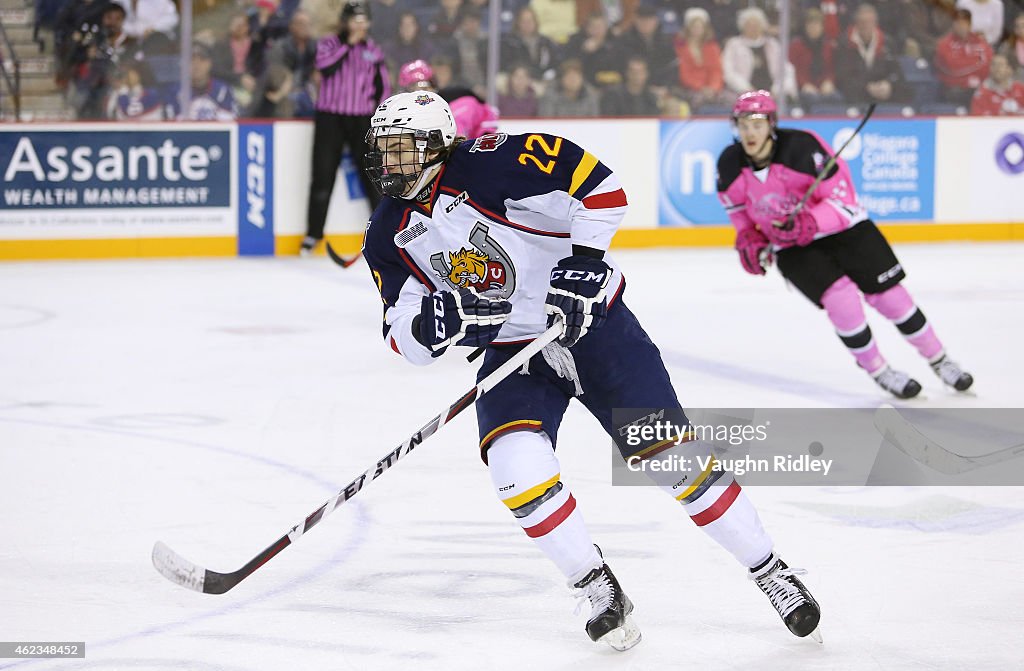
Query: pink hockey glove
{"points": [[752, 247], [798, 229]]}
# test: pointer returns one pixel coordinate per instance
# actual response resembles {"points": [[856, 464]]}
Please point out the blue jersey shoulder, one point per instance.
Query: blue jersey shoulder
{"points": [[499, 167]]}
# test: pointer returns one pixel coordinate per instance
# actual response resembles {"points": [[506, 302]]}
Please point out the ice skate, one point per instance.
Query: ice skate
{"points": [[952, 374], [897, 383], [309, 243], [791, 600], [610, 621]]}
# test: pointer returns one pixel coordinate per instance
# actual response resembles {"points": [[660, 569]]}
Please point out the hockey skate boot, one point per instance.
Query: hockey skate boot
{"points": [[897, 383], [308, 245], [610, 620], [952, 374], [794, 603]]}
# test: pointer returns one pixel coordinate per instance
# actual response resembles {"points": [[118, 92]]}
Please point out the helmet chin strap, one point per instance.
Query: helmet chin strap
{"points": [[767, 159]]}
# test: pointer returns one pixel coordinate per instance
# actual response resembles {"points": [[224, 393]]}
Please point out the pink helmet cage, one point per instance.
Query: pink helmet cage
{"points": [[756, 103], [415, 72]]}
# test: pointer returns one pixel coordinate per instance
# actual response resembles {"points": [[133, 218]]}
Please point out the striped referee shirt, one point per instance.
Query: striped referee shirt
{"points": [[355, 78]]}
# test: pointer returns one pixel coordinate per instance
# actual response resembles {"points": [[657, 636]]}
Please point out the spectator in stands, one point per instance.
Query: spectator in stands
{"points": [[811, 53], [297, 51], [916, 25], [986, 18], [1013, 46], [212, 99], [571, 96], [962, 60], [753, 59], [634, 97], [116, 44], [592, 47], [700, 60], [444, 77], [470, 47], [1000, 94], [386, 15], [557, 19], [274, 101], [645, 39], [77, 28], [152, 24], [520, 100], [865, 70], [267, 25], [445, 19], [409, 45], [525, 44], [230, 56], [137, 98]]}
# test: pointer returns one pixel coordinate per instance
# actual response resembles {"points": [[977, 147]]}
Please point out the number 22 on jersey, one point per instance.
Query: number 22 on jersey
{"points": [[545, 148]]}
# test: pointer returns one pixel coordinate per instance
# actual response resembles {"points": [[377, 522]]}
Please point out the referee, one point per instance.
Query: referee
{"points": [[354, 80]]}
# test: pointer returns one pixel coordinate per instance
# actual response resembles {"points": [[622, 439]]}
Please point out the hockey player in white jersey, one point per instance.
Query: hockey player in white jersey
{"points": [[485, 243]]}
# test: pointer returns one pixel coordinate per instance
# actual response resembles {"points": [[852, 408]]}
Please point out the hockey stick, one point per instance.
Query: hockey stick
{"points": [[766, 255], [338, 258], [180, 571], [904, 435], [828, 166]]}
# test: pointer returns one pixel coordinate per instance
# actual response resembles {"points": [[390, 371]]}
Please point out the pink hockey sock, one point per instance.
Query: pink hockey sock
{"points": [[842, 304], [897, 305]]}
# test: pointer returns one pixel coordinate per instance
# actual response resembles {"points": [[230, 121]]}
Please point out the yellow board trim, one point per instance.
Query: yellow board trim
{"points": [[582, 171], [530, 494], [117, 248], [725, 236], [345, 244], [524, 422], [700, 478]]}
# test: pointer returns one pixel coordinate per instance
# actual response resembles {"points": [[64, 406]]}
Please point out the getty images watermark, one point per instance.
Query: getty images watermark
{"points": [[819, 446], [665, 433]]}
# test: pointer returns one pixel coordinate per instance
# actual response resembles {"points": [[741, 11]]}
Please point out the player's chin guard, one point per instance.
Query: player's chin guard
{"points": [[410, 137], [462, 317], [577, 296]]}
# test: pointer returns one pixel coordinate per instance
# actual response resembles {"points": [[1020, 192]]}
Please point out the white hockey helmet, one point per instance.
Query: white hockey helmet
{"points": [[403, 167]]}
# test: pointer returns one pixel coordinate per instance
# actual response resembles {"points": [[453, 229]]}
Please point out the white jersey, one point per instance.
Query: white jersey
{"points": [[501, 214]]}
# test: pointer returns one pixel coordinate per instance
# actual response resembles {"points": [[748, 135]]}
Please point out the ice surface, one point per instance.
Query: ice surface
{"points": [[212, 404]]}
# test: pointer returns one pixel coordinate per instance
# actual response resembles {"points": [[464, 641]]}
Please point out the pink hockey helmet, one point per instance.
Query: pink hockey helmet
{"points": [[416, 75], [756, 104]]}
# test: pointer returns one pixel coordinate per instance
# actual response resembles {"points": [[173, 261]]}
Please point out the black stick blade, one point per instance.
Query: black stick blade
{"points": [[338, 258]]}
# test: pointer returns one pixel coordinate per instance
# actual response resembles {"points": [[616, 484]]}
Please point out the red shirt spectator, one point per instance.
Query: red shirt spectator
{"points": [[962, 58], [811, 54], [700, 59], [1000, 95]]}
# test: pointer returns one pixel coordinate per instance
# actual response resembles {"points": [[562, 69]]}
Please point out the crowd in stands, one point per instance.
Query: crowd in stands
{"points": [[119, 59]]}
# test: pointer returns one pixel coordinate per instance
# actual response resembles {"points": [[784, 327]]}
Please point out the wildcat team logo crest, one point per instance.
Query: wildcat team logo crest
{"points": [[484, 266]]}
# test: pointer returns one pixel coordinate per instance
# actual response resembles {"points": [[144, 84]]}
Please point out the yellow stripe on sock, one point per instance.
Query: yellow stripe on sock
{"points": [[530, 494], [583, 170], [504, 427], [700, 478]]}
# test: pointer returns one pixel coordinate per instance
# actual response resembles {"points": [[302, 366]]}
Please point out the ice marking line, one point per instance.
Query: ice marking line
{"points": [[39, 316], [753, 378], [359, 535]]}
